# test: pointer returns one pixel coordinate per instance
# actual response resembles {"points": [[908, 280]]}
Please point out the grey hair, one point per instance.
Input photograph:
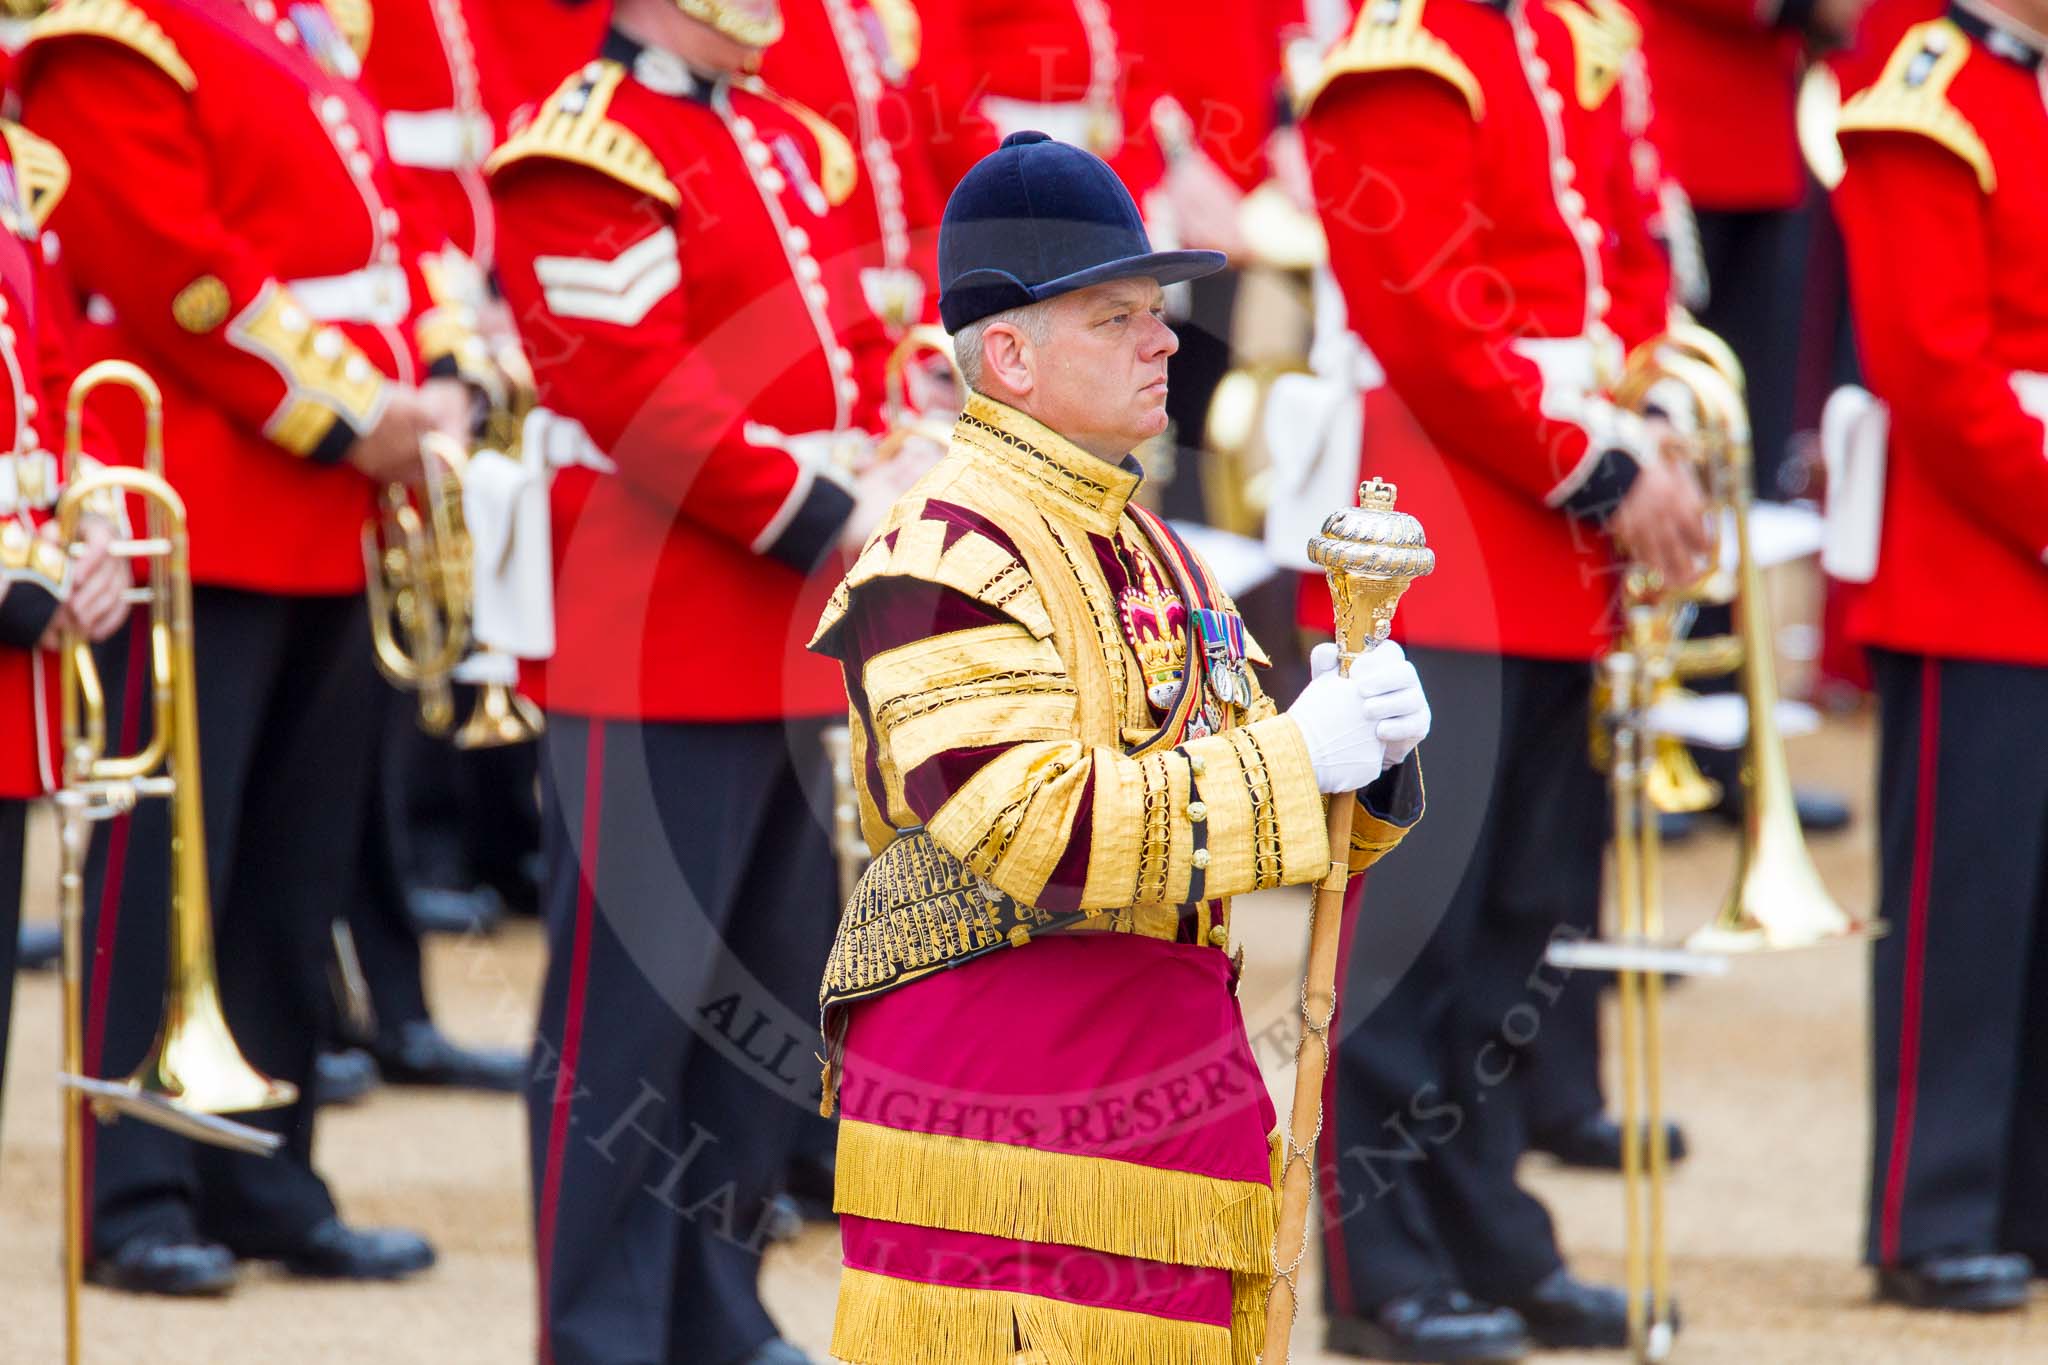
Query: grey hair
{"points": [[1034, 320]]}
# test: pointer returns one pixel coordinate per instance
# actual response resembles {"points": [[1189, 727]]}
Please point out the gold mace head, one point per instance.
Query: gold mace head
{"points": [[1370, 553]]}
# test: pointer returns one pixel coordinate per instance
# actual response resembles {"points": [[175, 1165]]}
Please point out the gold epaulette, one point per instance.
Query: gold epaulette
{"points": [[40, 172], [1389, 37], [972, 565], [1912, 97], [838, 172], [572, 126], [120, 22]]}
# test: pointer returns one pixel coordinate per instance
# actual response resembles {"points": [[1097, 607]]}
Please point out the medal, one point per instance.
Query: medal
{"points": [[324, 41], [1222, 635]]}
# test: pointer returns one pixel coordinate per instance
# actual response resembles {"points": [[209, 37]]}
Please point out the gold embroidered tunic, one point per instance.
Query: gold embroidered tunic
{"points": [[1040, 743]]}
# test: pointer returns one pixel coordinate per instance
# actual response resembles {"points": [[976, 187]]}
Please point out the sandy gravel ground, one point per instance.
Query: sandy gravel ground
{"points": [[1766, 1067]]}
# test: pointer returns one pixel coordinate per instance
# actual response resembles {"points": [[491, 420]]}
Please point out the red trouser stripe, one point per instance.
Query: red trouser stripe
{"points": [[1336, 1257], [110, 906], [572, 1024], [1916, 962]]}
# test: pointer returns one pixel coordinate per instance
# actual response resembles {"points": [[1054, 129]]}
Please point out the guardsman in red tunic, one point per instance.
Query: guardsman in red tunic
{"points": [[1472, 167], [1726, 75], [865, 65], [432, 69], [233, 220], [42, 590], [676, 246], [1945, 214]]}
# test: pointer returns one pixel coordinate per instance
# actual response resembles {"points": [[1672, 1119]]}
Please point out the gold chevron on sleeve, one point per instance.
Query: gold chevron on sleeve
{"points": [[990, 685], [1010, 822], [117, 21], [973, 565], [572, 126], [1912, 97], [1389, 37]]}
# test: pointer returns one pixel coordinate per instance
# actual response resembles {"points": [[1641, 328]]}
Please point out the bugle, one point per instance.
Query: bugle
{"points": [[416, 571]]}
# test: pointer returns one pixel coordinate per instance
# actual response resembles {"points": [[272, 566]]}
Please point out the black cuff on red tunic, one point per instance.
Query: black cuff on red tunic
{"points": [[1595, 500], [25, 612], [334, 446], [1795, 15], [1395, 796], [814, 530]]}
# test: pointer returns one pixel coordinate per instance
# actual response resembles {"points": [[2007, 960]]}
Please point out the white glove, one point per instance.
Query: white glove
{"points": [[1356, 727]]}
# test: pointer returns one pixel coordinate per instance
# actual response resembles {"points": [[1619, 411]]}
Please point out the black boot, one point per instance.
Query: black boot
{"points": [[422, 1055], [1431, 1325], [332, 1250], [164, 1263], [344, 1076], [1977, 1282], [1594, 1143], [38, 947], [1565, 1313]]}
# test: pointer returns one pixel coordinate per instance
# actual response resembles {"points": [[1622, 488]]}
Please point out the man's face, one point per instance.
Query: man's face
{"points": [[1100, 379]]}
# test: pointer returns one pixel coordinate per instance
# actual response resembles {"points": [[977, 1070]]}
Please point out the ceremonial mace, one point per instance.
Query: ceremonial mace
{"points": [[1370, 553]]}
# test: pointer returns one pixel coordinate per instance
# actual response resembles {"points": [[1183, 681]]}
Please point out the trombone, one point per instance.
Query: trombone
{"points": [[193, 1073], [1777, 900]]}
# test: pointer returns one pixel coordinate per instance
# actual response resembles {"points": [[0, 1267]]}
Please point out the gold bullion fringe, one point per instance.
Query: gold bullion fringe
{"points": [[999, 1189], [887, 1321], [1248, 1294]]}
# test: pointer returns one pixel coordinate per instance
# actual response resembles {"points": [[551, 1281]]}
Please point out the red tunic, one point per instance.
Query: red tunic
{"points": [[1071, 68], [1944, 211], [432, 68], [1726, 79], [1473, 171], [280, 287], [690, 295], [38, 365], [855, 63]]}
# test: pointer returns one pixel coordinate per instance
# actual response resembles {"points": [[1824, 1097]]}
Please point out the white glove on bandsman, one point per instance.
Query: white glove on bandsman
{"points": [[1357, 727]]}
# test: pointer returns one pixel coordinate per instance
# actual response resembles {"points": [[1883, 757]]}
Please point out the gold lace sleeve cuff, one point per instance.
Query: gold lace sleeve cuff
{"points": [[333, 393], [1011, 822], [1258, 798]]}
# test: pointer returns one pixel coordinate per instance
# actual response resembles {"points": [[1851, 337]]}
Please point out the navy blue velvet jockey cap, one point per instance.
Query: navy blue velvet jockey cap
{"points": [[1035, 219]]}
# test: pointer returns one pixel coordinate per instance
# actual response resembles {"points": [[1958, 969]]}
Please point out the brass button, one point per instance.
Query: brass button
{"points": [[1201, 857], [1197, 764], [1219, 936], [1198, 811]]}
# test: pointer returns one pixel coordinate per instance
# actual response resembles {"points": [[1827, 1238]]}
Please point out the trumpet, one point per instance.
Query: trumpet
{"points": [[417, 575], [193, 1073]]}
